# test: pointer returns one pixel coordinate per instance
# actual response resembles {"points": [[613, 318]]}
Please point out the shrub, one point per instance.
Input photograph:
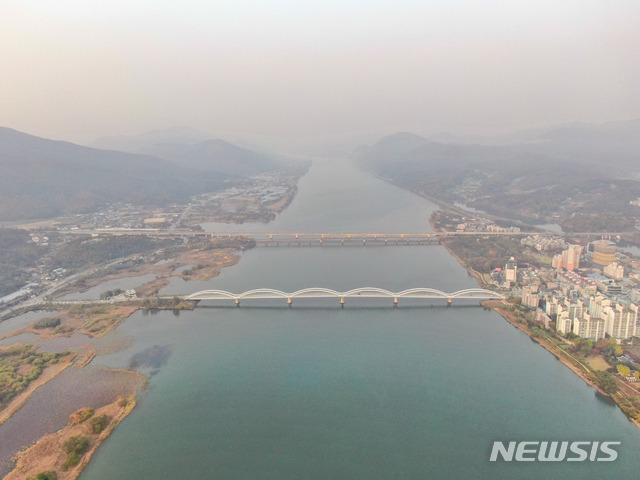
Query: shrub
{"points": [[80, 416], [71, 461], [50, 475], [46, 323], [75, 447], [76, 444], [98, 424]]}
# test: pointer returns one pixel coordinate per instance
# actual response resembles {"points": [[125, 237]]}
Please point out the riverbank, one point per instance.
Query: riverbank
{"points": [[575, 365], [205, 260], [628, 402], [201, 261], [572, 363], [50, 452], [258, 204]]}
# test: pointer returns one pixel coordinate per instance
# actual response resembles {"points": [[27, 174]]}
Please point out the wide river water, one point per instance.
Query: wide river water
{"points": [[364, 392]]}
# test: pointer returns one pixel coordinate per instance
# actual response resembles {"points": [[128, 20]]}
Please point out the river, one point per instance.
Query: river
{"points": [[368, 391]]}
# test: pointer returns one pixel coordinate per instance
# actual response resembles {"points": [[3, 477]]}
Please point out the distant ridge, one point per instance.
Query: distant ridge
{"points": [[41, 178], [192, 149], [576, 175], [137, 143]]}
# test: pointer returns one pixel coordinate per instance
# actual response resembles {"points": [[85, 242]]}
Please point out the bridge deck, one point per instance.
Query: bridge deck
{"points": [[364, 292]]}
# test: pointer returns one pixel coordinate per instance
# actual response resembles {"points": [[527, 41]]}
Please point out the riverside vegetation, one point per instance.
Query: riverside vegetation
{"points": [[19, 366]]}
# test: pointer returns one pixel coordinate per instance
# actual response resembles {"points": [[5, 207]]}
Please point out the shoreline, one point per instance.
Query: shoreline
{"points": [[26, 462], [497, 306], [558, 353], [47, 454]]}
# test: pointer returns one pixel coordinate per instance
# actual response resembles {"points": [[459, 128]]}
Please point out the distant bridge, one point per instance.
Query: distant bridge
{"points": [[320, 239], [364, 292]]}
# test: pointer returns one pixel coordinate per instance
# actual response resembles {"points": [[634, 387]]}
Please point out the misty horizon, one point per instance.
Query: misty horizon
{"points": [[82, 71]]}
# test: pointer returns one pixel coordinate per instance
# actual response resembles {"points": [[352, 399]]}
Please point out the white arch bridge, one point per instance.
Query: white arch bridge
{"points": [[364, 292]]}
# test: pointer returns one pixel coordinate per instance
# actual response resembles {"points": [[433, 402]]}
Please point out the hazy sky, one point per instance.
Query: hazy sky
{"points": [[82, 69]]}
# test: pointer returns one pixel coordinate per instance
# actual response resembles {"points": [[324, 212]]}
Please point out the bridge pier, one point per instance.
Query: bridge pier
{"points": [[289, 302], [395, 302], [237, 302], [341, 302], [449, 302]]}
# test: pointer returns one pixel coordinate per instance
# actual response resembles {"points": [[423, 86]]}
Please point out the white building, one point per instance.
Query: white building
{"points": [[563, 323], [589, 327], [597, 305], [621, 322], [614, 270], [511, 271]]}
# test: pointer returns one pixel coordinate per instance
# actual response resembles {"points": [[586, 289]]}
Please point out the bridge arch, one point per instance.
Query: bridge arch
{"points": [[362, 292]]}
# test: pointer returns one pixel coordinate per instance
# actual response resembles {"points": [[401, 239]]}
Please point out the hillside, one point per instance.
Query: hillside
{"points": [[42, 178], [509, 181], [193, 149], [615, 145]]}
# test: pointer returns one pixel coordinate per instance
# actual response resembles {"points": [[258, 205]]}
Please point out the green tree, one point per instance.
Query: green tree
{"points": [[606, 381]]}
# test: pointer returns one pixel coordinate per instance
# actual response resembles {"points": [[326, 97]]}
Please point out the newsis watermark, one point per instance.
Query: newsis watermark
{"points": [[554, 451]]}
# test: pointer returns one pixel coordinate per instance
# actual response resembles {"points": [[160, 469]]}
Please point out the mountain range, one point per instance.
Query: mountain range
{"points": [[41, 178], [583, 176]]}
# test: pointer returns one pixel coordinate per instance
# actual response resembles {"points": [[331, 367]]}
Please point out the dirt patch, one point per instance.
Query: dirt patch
{"points": [[598, 363]]}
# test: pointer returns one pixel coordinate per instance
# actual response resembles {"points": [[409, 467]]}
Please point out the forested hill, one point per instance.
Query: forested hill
{"points": [[508, 181], [42, 178]]}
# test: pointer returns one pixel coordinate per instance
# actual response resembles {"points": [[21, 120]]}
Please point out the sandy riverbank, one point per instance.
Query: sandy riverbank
{"points": [[48, 453]]}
